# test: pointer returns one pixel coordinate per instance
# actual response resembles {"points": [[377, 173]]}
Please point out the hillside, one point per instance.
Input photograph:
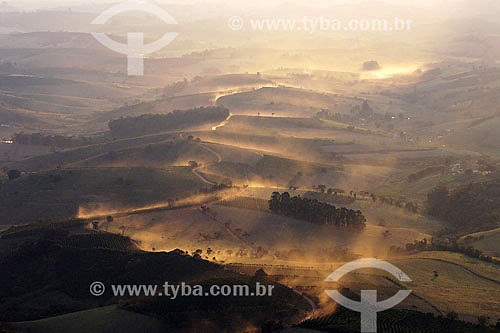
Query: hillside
{"points": [[101, 319], [284, 101], [60, 194], [177, 119], [486, 241], [51, 267], [474, 207]]}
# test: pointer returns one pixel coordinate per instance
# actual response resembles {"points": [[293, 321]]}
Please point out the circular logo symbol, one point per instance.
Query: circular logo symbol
{"points": [[97, 288], [235, 23]]}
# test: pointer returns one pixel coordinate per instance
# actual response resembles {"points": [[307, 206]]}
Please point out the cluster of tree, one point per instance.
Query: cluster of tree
{"points": [[371, 65], [363, 113], [449, 245], [336, 116], [175, 88], [474, 207], [411, 206], [154, 123], [329, 191], [332, 195], [319, 255], [38, 139], [316, 212]]}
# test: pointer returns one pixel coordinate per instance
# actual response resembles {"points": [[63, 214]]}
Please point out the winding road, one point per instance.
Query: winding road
{"points": [[219, 159]]}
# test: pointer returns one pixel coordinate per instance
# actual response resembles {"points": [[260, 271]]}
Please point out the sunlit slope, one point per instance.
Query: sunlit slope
{"points": [[284, 101], [271, 171], [280, 123], [232, 229]]}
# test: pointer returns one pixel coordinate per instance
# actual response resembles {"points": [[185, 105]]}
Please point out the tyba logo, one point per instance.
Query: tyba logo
{"points": [[135, 48], [368, 306]]}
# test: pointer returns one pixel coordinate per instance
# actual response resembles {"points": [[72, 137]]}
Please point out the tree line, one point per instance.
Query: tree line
{"points": [[38, 139], [446, 245], [317, 212], [154, 123], [399, 203]]}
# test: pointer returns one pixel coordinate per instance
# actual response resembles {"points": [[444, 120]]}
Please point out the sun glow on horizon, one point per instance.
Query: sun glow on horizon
{"points": [[391, 71]]}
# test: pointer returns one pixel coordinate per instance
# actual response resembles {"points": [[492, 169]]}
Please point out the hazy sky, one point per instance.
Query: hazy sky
{"points": [[438, 8], [309, 3]]}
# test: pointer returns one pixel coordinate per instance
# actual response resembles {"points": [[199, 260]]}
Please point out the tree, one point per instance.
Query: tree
{"points": [[366, 110], [274, 203], [452, 315], [386, 234], [483, 320], [260, 273], [13, 174], [412, 207], [316, 212]]}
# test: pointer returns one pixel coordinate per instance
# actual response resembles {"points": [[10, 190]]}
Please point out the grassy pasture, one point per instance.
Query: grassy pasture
{"points": [[486, 241], [59, 194], [261, 122], [236, 228], [463, 285], [159, 155], [272, 171], [75, 155]]}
